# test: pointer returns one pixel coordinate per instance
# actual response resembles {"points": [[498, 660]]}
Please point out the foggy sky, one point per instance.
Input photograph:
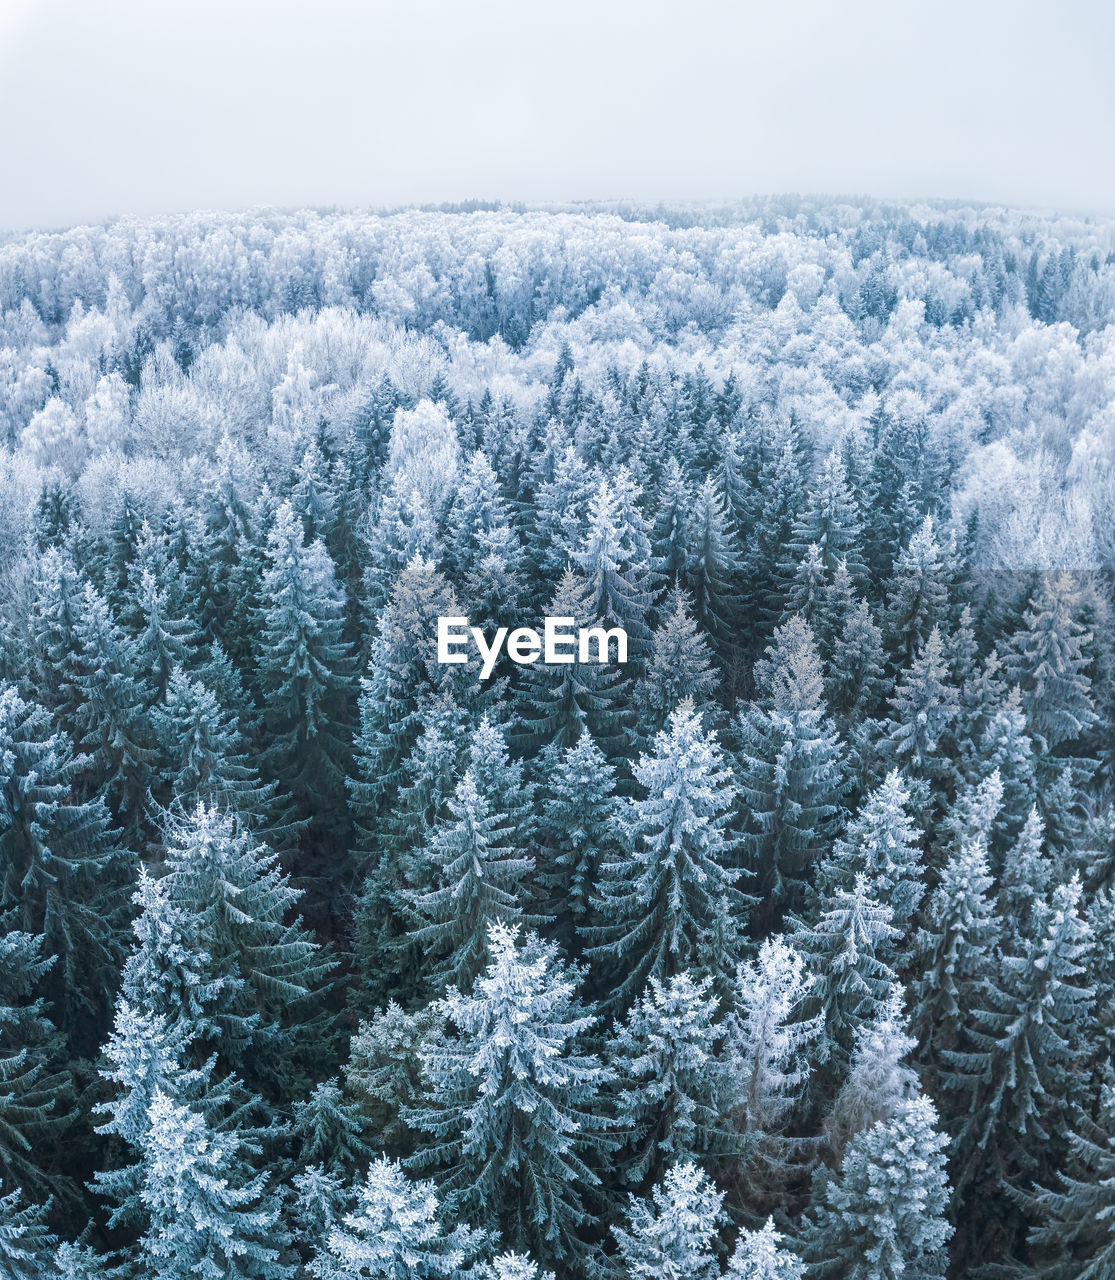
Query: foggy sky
{"points": [[119, 106]]}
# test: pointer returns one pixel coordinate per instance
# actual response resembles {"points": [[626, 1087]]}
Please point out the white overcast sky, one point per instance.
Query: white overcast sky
{"points": [[139, 106]]}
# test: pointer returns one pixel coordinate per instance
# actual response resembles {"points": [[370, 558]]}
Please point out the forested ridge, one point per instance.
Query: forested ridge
{"points": [[784, 951]]}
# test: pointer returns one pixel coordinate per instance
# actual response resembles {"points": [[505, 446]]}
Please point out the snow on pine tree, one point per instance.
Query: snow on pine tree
{"points": [[713, 564], [616, 559], [1018, 1068], [403, 676], [791, 768], [670, 899], [578, 829], [675, 1234], [1049, 659], [28, 1247], [205, 759], [957, 947], [759, 1255], [1073, 1237], [513, 1266], [879, 1080], [237, 902], [35, 1087], [849, 949], [924, 706], [883, 1215], [475, 866], [509, 1105], [396, 1228], [766, 1062], [665, 1058], [62, 871], [210, 1216], [680, 666], [882, 843], [303, 664]]}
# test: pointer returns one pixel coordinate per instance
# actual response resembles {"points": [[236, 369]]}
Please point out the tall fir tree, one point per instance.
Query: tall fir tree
{"points": [[509, 1108], [670, 899]]}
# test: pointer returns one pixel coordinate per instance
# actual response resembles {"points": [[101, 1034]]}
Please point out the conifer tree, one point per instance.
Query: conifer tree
{"points": [[35, 1089], [1021, 1050], [1073, 1237], [559, 700], [28, 1247], [303, 663], [1049, 660], [403, 675], [759, 1255], [396, 1228], [62, 872], [616, 560], [509, 1103], [849, 949], [671, 536], [237, 902], [791, 766], [957, 948], [883, 1216], [918, 599], [714, 563], [679, 666], [1026, 878], [676, 1233], [476, 871], [579, 828], [664, 1056], [210, 1216], [830, 521], [881, 842], [766, 1055], [111, 721], [205, 759], [670, 899], [923, 709]]}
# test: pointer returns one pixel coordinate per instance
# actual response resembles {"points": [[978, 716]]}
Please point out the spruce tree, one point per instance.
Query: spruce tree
{"points": [[791, 767], [882, 843], [714, 564], [759, 1255], [35, 1089], [679, 666], [210, 1216], [1049, 659], [62, 871], [1021, 1051], [303, 664], [559, 700], [578, 830], [664, 1055], [676, 1234], [768, 1041], [957, 947], [669, 900], [883, 1215], [509, 1105], [1073, 1238], [476, 871], [849, 949], [396, 1228]]}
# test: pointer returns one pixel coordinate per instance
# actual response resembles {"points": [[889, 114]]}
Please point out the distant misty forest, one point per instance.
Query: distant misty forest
{"points": [[784, 951]]}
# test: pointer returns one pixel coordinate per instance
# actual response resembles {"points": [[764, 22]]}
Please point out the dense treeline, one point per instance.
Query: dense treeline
{"points": [[784, 950]]}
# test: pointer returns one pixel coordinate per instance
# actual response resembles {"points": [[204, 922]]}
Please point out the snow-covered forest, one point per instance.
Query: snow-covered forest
{"points": [[785, 950]]}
